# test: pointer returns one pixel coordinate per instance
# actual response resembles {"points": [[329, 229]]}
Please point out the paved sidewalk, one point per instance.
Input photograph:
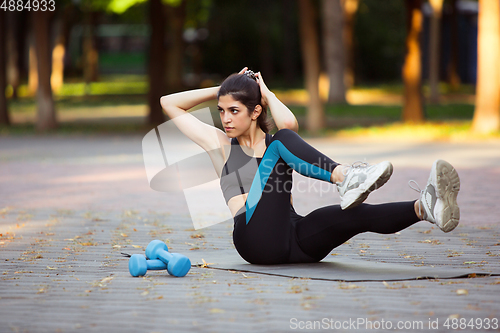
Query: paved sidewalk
{"points": [[69, 205]]}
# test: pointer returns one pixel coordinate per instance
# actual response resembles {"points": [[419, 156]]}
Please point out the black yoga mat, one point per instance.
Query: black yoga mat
{"points": [[331, 268]]}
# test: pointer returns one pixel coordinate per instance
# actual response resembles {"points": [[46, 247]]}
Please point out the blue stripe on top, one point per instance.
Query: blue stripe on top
{"points": [[273, 153]]}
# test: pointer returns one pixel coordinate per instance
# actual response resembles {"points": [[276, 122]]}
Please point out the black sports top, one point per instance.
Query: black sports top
{"points": [[239, 170]]}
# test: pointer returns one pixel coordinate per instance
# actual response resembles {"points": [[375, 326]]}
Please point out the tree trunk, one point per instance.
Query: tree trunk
{"points": [[289, 51], [412, 68], [487, 112], [4, 112], [12, 61], [64, 25], [334, 52], [349, 8], [453, 77], [46, 115], [156, 61], [22, 31], [90, 53], [265, 46], [310, 57], [176, 17], [33, 64], [434, 48]]}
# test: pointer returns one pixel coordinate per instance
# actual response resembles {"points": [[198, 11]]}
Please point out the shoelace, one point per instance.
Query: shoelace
{"points": [[355, 165], [419, 190]]}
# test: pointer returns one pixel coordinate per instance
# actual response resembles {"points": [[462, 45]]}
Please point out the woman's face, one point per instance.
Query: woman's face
{"points": [[234, 116]]}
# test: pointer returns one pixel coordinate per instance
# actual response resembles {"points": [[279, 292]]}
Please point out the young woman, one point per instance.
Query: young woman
{"points": [[256, 178]]}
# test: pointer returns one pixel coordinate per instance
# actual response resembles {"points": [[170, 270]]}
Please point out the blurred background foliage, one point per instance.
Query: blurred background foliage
{"points": [[109, 49]]}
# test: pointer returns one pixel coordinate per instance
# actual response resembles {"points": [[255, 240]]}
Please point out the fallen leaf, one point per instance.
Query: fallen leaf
{"points": [[51, 267], [137, 246], [216, 310], [462, 292], [107, 279], [454, 316], [124, 235], [205, 264], [248, 277]]}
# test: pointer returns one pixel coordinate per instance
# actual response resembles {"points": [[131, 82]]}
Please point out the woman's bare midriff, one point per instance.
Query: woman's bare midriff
{"points": [[236, 202]]}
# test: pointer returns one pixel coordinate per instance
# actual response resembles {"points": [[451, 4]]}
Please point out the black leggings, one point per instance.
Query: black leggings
{"points": [[267, 230]]}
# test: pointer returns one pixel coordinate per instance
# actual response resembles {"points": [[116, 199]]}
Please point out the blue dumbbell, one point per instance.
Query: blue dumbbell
{"points": [[177, 264], [138, 265]]}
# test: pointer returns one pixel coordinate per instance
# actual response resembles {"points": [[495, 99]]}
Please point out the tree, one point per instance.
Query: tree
{"points": [[4, 112], [487, 112], [334, 50], [434, 48], [46, 114], [412, 71], [64, 24], [453, 77], [176, 16], [157, 55], [289, 55], [311, 63], [349, 9], [16, 37], [32, 65], [90, 52], [156, 61]]}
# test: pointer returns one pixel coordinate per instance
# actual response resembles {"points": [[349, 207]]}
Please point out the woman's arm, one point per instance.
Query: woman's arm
{"points": [[283, 117], [176, 105]]}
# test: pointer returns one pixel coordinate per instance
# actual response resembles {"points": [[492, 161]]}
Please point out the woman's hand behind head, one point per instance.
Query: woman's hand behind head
{"points": [[264, 90]]}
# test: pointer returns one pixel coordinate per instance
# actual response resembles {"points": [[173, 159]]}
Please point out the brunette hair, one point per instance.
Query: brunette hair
{"points": [[246, 90]]}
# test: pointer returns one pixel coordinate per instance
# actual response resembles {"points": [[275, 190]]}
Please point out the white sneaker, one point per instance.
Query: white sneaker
{"points": [[439, 198], [361, 179]]}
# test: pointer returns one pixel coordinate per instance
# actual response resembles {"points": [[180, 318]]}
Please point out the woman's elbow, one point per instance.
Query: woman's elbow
{"points": [[164, 101], [292, 124]]}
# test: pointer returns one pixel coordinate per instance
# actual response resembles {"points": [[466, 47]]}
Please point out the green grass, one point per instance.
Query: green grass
{"points": [[107, 85], [118, 104], [393, 112], [428, 131], [64, 102]]}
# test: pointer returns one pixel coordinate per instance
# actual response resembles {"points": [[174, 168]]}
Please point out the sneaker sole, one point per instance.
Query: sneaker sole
{"points": [[357, 196], [448, 185]]}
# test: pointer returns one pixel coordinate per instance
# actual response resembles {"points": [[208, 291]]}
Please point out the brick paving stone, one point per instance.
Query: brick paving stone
{"points": [[70, 205]]}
